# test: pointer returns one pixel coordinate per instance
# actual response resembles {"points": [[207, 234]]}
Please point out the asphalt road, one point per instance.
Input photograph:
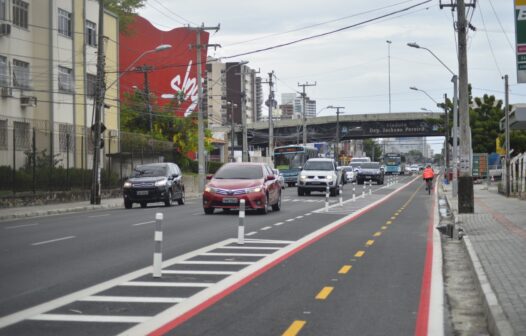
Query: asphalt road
{"points": [[366, 271]]}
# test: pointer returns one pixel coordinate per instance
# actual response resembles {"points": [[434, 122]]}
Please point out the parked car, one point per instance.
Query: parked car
{"points": [[253, 182], [280, 178], [154, 182], [370, 171], [317, 174]]}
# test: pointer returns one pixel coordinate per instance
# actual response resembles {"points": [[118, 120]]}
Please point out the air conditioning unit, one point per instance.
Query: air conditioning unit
{"points": [[6, 92], [5, 29], [28, 101]]}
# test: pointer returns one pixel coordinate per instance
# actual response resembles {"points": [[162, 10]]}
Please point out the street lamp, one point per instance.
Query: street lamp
{"points": [[454, 79], [232, 130], [337, 143], [417, 89], [389, 69], [95, 180]]}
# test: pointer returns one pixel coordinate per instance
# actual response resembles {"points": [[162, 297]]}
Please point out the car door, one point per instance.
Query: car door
{"points": [[177, 181], [272, 185]]}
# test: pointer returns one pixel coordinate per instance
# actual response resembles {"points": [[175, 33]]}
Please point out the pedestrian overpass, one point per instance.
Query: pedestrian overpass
{"points": [[355, 126]]}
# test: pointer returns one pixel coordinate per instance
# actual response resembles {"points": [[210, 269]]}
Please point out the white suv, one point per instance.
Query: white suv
{"points": [[316, 174]]}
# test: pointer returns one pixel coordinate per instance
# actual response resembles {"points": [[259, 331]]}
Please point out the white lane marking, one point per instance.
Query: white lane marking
{"points": [[289, 220], [90, 318], [279, 223], [308, 214], [251, 233], [235, 254], [436, 297], [143, 223], [266, 228], [165, 284], [52, 240], [96, 216], [20, 226], [199, 262], [299, 217], [198, 272], [249, 248], [100, 298], [268, 241]]}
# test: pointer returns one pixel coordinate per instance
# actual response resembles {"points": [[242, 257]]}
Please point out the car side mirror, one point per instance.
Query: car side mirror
{"points": [[175, 176], [270, 178], [209, 176]]}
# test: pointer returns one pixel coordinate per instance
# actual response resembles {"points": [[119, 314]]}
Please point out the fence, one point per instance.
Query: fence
{"points": [[518, 176]]}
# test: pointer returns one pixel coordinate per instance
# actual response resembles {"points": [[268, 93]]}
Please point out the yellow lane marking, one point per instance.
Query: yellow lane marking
{"points": [[345, 269], [377, 234], [384, 227], [388, 222], [324, 293], [394, 217], [397, 213], [294, 328], [359, 254], [369, 243]]}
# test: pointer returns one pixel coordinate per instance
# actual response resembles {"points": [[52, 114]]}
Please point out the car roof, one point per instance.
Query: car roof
{"points": [[320, 159]]}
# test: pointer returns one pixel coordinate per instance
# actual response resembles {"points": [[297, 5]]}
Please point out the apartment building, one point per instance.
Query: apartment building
{"points": [[48, 54]]}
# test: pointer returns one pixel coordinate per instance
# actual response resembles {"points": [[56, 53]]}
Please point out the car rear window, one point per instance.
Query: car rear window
{"points": [[369, 165], [318, 165], [239, 172], [149, 171]]}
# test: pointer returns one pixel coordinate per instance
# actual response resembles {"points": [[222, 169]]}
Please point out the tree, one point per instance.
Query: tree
{"points": [[372, 149], [125, 10], [484, 119]]}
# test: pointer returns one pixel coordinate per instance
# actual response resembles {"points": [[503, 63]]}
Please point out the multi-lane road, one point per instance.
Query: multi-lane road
{"points": [[363, 267]]}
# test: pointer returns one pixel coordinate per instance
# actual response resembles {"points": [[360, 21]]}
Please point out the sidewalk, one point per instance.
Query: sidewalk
{"points": [[495, 238]]}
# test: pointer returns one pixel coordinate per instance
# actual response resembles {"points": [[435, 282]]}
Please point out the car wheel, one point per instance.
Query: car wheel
{"points": [[334, 192], [180, 201], [169, 199], [277, 206], [209, 211], [128, 204], [300, 191], [307, 192], [143, 204], [264, 210], [360, 181]]}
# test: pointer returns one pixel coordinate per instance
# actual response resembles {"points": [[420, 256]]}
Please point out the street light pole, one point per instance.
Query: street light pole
{"points": [[232, 130], [337, 143], [389, 70], [304, 96]]}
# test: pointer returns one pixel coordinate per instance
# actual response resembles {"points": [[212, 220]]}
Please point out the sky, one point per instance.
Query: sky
{"points": [[351, 66]]}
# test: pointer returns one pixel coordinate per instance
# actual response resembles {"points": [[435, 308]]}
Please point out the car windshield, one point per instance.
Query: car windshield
{"points": [[149, 171], [369, 165], [241, 172], [318, 165]]}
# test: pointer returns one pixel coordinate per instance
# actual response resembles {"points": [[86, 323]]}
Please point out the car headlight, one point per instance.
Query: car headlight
{"points": [[160, 183], [254, 189], [210, 189], [303, 177], [329, 177], [127, 184]]}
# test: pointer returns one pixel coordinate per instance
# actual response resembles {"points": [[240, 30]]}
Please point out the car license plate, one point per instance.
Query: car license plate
{"points": [[230, 200], [368, 176], [142, 192]]}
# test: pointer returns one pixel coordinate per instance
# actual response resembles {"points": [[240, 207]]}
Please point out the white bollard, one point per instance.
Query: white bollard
{"points": [[363, 188], [327, 198], [341, 195], [158, 253], [241, 226], [354, 191], [370, 187]]}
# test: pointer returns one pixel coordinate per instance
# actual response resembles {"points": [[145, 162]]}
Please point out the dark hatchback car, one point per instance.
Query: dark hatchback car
{"points": [[370, 171], [154, 182], [253, 182]]}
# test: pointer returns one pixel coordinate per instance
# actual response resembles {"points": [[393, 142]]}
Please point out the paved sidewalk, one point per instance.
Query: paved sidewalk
{"points": [[495, 237]]}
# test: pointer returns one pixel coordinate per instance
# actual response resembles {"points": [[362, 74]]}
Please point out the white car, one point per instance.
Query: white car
{"points": [[317, 174], [279, 177], [414, 169]]}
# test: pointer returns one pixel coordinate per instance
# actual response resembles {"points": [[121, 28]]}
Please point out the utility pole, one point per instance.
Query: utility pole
{"points": [[446, 146], [337, 143], [145, 70], [465, 180], [389, 69], [99, 103], [270, 103], [507, 126], [304, 96], [200, 112], [243, 102], [455, 135]]}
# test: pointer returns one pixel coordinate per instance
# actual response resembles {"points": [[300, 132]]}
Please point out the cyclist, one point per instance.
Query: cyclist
{"points": [[428, 176]]}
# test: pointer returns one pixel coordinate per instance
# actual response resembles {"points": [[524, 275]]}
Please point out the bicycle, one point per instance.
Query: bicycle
{"points": [[429, 186]]}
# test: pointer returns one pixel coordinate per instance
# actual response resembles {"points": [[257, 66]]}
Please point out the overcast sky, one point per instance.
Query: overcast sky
{"points": [[350, 67]]}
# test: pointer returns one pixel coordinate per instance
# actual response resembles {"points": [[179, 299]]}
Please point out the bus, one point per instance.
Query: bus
{"points": [[290, 159], [394, 164]]}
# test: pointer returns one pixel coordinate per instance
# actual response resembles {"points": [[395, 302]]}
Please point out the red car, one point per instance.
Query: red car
{"points": [[253, 182]]}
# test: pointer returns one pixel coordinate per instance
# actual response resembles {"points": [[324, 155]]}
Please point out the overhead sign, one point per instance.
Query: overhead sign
{"points": [[520, 36]]}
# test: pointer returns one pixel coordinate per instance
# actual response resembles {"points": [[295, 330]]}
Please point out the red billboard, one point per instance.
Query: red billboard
{"points": [[170, 72]]}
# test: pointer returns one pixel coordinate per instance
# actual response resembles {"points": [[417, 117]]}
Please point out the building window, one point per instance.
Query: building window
{"points": [[3, 134], [65, 138], [65, 79], [91, 85], [20, 74], [3, 8], [20, 13], [4, 74], [64, 22], [91, 34], [22, 140]]}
